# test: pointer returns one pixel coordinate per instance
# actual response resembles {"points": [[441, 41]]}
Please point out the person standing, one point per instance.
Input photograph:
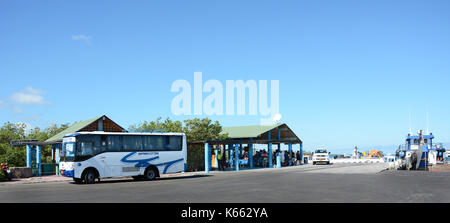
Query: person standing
{"points": [[286, 158], [5, 170], [220, 160], [265, 159]]}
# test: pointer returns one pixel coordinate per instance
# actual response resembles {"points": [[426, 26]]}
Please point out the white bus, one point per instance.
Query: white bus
{"points": [[87, 156]]}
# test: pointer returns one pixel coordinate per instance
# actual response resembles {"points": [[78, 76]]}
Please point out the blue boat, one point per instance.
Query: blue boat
{"points": [[419, 152]]}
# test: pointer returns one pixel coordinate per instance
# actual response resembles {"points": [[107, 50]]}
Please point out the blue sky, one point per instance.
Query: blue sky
{"points": [[350, 72]]}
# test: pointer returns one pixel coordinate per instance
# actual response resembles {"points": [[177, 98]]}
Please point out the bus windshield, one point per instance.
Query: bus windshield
{"points": [[68, 151]]}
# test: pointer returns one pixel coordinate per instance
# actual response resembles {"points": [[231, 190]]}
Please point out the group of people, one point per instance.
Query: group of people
{"points": [[288, 159], [260, 159]]}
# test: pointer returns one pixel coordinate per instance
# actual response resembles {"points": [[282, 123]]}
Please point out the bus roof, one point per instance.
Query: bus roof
{"points": [[122, 133]]}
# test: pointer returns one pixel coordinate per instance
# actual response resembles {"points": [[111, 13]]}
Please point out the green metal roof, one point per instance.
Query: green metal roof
{"points": [[252, 131], [72, 129]]}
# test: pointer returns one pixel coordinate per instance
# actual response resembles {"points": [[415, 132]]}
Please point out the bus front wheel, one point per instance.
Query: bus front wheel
{"points": [[89, 177]]}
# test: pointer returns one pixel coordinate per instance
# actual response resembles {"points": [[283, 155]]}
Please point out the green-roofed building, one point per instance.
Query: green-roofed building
{"points": [[260, 133], [100, 123], [239, 147]]}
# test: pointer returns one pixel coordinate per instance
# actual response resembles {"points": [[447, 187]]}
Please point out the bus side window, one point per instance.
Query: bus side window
{"points": [[86, 149], [137, 142], [158, 142], [125, 145], [153, 143], [132, 143], [99, 145], [146, 143], [113, 143], [103, 139], [173, 143], [166, 142]]}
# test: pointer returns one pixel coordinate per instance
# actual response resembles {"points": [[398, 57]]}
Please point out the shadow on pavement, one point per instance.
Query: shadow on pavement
{"points": [[127, 180], [184, 177]]}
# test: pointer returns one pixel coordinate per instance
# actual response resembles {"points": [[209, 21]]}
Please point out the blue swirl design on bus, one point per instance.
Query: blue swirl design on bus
{"points": [[146, 162], [140, 163]]}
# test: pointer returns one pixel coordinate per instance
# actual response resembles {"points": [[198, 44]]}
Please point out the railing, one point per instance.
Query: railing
{"points": [[45, 170], [436, 146]]}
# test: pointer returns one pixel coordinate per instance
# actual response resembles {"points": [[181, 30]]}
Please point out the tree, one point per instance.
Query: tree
{"points": [[195, 129], [16, 156], [8, 132], [168, 125], [203, 129]]}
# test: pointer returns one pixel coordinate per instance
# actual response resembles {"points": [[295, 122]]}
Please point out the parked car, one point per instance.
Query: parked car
{"points": [[321, 156]]}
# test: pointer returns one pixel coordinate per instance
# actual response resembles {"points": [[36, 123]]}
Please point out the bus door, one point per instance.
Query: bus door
{"points": [[89, 149], [103, 156]]}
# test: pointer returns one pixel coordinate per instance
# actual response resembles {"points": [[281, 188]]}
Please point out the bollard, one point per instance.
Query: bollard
{"points": [[38, 160]]}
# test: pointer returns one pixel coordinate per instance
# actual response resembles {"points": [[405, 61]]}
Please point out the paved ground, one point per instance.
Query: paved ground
{"points": [[333, 183], [440, 168]]}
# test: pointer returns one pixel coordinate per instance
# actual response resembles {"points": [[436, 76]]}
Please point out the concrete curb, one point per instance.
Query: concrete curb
{"points": [[47, 179], [33, 180]]}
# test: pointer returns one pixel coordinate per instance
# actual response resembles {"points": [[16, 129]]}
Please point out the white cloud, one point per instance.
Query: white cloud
{"points": [[16, 109], [81, 37], [8, 106], [29, 96]]}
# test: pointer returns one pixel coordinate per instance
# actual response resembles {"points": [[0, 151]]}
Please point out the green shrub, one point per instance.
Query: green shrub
{"points": [[195, 158], [2, 176]]}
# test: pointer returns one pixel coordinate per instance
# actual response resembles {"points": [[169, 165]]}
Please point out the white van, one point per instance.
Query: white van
{"points": [[321, 156], [447, 157]]}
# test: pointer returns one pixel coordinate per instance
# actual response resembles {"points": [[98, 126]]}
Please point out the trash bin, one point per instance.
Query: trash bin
{"points": [[47, 169], [34, 169], [305, 160]]}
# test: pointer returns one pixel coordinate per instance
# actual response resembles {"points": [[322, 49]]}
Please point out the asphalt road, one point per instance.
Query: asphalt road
{"points": [[349, 183]]}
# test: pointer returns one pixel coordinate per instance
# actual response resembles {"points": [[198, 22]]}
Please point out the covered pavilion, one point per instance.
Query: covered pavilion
{"points": [[250, 135]]}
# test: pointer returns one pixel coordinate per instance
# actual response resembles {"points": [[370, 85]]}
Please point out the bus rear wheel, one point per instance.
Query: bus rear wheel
{"points": [[150, 174]]}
